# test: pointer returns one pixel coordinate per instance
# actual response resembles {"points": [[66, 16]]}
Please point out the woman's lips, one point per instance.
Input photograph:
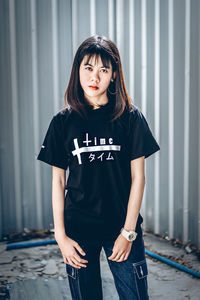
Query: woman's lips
{"points": [[93, 87]]}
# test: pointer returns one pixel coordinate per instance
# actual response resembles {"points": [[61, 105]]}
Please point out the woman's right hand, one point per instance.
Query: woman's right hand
{"points": [[68, 249]]}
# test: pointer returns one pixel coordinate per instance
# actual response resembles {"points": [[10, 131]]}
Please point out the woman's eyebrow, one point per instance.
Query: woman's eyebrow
{"points": [[87, 64]]}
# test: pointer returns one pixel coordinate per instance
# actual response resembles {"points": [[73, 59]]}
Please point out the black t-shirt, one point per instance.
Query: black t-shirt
{"points": [[98, 153]]}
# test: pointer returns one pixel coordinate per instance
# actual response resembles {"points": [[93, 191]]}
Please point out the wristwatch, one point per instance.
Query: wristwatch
{"points": [[129, 235]]}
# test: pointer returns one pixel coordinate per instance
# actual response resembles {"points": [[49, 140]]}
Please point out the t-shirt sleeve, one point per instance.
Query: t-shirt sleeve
{"points": [[142, 141], [53, 151]]}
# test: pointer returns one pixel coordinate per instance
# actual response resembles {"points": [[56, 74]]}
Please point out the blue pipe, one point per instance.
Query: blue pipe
{"points": [[29, 244], [173, 264], [150, 253]]}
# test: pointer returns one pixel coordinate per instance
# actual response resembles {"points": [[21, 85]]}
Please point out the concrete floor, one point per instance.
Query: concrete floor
{"points": [[38, 273]]}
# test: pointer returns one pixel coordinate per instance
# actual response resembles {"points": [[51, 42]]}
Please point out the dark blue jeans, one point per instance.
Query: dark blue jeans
{"points": [[130, 276]]}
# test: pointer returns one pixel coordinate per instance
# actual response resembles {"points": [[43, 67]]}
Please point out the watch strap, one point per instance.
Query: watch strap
{"points": [[129, 235]]}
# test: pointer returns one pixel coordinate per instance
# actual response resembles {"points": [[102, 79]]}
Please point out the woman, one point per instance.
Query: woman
{"points": [[104, 139]]}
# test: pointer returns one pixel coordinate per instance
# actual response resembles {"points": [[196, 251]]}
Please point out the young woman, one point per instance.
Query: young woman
{"points": [[104, 139]]}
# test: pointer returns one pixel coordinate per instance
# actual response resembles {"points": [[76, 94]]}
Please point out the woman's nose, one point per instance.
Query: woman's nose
{"points": [[95, 76]]}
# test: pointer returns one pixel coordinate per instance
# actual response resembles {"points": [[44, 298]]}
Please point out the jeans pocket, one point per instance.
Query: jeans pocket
{"points": [[140, 269], [141, 272], [71, 271]]}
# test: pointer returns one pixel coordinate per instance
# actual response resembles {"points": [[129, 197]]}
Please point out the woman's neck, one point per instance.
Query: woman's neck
{"points": [[97, 102]]}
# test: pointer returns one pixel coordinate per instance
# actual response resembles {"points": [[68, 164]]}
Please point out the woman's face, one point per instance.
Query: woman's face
{"points": [[95, 79]]}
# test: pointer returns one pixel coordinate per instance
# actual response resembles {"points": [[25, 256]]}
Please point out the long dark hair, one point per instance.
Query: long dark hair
{"points": [[97, 46]]}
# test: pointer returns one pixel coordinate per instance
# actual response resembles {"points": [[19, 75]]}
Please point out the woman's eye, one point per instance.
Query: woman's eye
{"points": [[102, 70]]}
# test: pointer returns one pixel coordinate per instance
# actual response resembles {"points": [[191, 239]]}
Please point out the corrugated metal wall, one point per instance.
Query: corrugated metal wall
{"points": [[159, 45]]}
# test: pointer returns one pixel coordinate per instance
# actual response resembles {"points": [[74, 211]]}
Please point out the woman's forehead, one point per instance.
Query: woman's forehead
{"points": [[95, 59]]}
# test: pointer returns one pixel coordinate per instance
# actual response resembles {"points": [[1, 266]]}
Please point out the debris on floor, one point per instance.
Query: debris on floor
{"points": [[41, 263]]}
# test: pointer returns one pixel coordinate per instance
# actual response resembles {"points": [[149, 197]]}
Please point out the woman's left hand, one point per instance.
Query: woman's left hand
{"points": [[121, 249]]}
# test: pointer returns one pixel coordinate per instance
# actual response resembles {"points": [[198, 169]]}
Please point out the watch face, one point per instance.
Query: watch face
{"points": [[131, 236]]}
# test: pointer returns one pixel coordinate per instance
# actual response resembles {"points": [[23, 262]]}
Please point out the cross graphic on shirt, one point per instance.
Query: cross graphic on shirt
{"points": [[78, 150]]}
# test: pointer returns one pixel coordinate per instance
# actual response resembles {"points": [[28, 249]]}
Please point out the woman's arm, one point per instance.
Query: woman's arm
{"points": [[136, 192], [58, 194], [67, 245], [122, 247]]}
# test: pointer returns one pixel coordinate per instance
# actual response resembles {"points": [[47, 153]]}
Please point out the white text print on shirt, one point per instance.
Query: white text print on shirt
{"points": [[99, 144]]}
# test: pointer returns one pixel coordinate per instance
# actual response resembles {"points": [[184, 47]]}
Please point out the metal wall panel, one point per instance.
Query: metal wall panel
{"points": [[159, 43]]}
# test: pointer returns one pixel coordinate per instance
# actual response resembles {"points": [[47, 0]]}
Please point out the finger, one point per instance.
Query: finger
{"points": [[112, 255], [118, 256], [70, 262], [121, 257], [80, 250], [80, 261], [115, 256], [126, 256], [65, 260]]}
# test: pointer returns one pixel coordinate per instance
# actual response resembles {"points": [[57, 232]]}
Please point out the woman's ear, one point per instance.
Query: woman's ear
{"points": [[114, 75]]}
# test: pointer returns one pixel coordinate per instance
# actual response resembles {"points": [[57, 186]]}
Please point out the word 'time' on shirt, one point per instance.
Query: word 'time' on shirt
{"points": [[102, 146]]}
